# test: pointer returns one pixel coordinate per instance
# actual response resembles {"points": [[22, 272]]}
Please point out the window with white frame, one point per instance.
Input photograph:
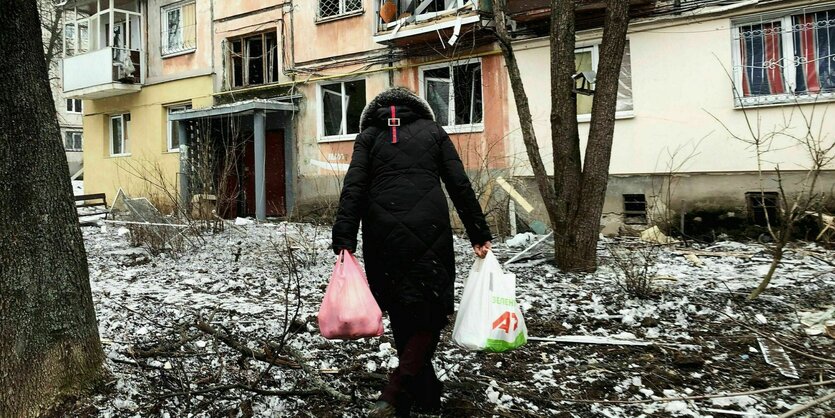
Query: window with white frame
{"points": [[335, 8], [119, 129], [341, 106], [174, 127], [586, 59], [73, 140], [179, 28], [454, 92], [785, 57], [74, 106]]}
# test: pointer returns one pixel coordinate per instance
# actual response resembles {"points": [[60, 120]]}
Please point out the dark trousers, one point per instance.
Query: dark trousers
{"points": [[413, 382]]}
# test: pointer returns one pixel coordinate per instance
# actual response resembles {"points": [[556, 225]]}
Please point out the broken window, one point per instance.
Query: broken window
{"points": [[454, 92], [342, 105], [424, 9], [333, 8], [179, 28], [174, 127], [119, 128], [762, 207], [785, 56], [73, 140], [586, 59], [634, 209], [74, 105], [253, 60]]}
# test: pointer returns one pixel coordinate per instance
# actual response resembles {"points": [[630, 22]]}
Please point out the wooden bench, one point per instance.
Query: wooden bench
{"points": [[92, 201]]}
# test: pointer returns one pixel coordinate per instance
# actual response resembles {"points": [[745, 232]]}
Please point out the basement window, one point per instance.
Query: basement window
{"points": [[253, 60], [635, 209], [762, 207]]}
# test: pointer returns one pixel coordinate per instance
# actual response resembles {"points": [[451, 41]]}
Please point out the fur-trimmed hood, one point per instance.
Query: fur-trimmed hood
{"points": [[395, 96]]}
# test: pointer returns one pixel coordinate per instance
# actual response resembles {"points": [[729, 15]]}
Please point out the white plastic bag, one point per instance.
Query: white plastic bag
{"points": [[488, 317]]}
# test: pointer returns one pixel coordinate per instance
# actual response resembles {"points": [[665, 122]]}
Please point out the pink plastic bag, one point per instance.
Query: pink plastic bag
{"points": [[349, 311]]}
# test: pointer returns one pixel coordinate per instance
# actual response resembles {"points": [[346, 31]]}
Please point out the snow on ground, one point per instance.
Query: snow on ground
{"points": [[237, 282]]}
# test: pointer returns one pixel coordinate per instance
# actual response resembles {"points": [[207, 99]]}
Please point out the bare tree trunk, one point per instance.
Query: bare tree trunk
{"points": [[575, 202], [579, 252], [49, 342], [546, 189], [565, 136]]}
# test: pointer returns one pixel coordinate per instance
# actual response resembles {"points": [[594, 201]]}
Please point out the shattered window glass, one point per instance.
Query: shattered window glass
{"points": [[438, 84], [468, 100], [455, 94], [343, 101], [584, 60], [332, 108]]}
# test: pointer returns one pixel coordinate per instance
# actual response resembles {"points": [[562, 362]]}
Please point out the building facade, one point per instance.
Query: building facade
{"points": [[254, 104], [696, 89]]}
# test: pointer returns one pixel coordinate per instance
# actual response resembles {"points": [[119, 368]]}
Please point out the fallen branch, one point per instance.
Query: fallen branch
{"points": [[317, 381], [243, 349], [264, 392], [808, 405]]}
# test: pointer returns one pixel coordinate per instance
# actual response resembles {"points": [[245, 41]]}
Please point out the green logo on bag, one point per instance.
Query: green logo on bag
{"points": [[498, 300]]}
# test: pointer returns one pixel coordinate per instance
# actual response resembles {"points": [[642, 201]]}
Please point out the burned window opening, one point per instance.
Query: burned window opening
{"points": [[635, 209], [253, 60], [763, 208]]}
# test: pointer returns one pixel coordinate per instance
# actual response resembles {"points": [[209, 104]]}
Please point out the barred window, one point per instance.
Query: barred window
{"points": [[785, 58], [333, 8], [179, 28]]}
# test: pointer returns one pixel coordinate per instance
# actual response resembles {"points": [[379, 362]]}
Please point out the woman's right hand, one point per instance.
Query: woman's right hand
{"points": [[481, 250]]}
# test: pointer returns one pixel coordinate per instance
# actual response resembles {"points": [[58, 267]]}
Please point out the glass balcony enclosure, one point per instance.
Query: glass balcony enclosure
{"points": [[102, 48], [416, 17]]}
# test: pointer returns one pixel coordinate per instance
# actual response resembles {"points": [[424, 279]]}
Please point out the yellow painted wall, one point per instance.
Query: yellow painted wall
{"points": [[147, 137]]}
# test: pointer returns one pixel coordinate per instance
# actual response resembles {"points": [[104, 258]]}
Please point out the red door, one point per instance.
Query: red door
{"points": [[274, 172]]}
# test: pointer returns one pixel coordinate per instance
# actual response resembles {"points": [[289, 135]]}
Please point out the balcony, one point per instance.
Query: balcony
{"points": [[102, 48], [415, 21]]}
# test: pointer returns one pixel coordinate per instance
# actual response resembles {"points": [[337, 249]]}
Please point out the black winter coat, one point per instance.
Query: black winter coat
{"points": [[395, 190]]}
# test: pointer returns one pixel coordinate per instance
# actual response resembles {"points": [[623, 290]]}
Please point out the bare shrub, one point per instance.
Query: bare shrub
{"points": [[635, 267], [156, 238]]}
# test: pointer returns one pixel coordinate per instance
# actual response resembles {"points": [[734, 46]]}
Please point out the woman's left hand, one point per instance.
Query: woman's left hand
{"points": [[480, 250]]}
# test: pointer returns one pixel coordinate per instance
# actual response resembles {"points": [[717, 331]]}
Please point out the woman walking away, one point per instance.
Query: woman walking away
{"points": [[393, 186]]}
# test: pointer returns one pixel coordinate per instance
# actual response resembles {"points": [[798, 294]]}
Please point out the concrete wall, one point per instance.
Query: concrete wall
{"points": [[147, 136]]}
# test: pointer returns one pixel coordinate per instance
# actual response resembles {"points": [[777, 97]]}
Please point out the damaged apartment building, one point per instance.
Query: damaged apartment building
{"points": [[254, 105]]}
